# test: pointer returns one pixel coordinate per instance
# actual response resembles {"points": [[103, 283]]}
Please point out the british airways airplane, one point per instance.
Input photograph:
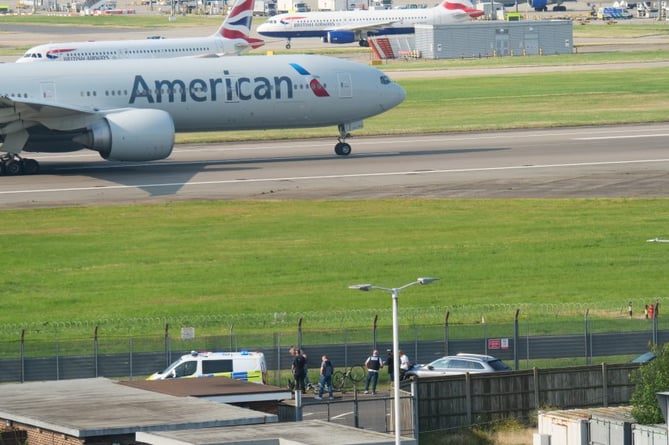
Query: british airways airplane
{"points": [[232, 38], [129, 111], [351, 26]]}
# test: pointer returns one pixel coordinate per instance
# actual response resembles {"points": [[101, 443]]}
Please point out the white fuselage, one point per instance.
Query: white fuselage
{"points": [[381, 22], [205, 94], [133, 49]]}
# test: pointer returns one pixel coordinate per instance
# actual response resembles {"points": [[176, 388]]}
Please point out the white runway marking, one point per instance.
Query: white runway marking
{"points": [[342, 176]]}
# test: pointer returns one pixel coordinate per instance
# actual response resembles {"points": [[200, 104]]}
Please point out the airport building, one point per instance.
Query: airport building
{"points": [[494, 39]]}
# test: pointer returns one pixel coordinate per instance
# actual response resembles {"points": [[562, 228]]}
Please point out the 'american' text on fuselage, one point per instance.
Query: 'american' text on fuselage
{"points": [[212, 89]]}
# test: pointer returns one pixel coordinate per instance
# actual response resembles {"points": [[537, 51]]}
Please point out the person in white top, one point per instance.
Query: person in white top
{"points": [[405, 364]]}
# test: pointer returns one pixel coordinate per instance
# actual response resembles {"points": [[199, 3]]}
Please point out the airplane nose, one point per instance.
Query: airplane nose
{"points": [[393, 96]]}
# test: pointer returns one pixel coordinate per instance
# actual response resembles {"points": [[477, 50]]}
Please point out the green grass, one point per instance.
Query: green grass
{"points": [[203, 258], [492, 102]]}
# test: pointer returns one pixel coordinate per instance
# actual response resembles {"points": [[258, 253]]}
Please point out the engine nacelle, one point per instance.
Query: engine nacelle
{"points": [[538, 5], [131, 135], [341, 37]]}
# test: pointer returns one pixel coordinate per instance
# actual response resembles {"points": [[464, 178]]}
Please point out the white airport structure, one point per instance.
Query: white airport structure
{"points": [[494, 38]]}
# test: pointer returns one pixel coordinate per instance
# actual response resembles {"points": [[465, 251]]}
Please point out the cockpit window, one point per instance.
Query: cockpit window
{"points": [[385, 80]]}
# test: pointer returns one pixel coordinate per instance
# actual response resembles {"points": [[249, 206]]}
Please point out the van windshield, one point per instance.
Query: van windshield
{"points": [[180, 369]]}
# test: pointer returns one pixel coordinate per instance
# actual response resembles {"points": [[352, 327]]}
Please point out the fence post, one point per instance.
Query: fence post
{"points": [[468, 398], [515, 340], [657, 306], [446, 333], [605, 386], [299, 333], [485, 334], [166, 345], [585, 330], [95, 349], [277, 344], [23, 356], [130, 358], [376, 318], [535, 377]]}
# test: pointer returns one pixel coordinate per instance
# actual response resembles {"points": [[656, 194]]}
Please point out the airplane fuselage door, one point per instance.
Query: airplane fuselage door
{"points": [[48, 90], [344, 85]]}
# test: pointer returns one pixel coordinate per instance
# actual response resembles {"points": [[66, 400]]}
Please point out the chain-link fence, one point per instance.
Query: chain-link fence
{"points": [[137, 348]]}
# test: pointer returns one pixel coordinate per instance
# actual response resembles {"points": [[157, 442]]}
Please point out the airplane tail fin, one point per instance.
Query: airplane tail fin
{"points": [[237, 25], [463, 5]]}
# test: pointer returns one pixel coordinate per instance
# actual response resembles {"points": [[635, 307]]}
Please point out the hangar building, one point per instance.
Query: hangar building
{"points": [[494, 38]]}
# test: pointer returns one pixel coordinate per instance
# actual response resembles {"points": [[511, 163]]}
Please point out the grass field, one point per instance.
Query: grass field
{"points": [[182, 259]]}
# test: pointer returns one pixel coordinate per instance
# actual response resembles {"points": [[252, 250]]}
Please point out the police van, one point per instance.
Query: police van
{"points": [[247, 366]]}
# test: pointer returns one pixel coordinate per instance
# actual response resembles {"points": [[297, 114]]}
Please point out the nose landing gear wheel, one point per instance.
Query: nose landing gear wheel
{"points": [[342, 149]]}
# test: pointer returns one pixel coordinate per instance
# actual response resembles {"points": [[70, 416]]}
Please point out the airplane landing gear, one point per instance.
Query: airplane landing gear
{"points": [[364, 43], [13, 165], [342, 148], [288, 44]]}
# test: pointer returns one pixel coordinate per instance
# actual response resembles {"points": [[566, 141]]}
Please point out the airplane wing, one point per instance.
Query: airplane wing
{"points": [[16, 114]]}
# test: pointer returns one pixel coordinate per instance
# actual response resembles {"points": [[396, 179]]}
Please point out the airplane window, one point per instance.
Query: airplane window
{"points": [[385, 80]]}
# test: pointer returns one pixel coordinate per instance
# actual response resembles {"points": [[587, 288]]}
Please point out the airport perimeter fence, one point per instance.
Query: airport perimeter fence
{"points": [[45, 353]]}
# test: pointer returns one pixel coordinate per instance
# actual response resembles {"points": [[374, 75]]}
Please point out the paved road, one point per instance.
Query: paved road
{"points": [[621, 161]]}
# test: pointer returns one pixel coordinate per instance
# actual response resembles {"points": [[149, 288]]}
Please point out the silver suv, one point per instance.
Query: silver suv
{"points": [[458, 364]]}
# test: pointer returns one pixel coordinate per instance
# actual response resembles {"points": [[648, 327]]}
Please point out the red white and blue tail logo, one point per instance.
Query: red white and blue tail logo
{"points": [[237, 25], [314, 84], [464, 6]]}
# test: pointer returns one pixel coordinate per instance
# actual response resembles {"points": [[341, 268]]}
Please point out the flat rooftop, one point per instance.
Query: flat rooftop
{"points": [[218, 389], [312, 432], [100, 407]]}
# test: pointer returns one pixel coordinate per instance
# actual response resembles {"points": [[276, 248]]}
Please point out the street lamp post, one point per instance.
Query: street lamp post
{"points": [[394, 292]]}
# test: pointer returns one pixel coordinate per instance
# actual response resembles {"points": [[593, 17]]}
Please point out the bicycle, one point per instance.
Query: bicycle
{"points": [[353, 375]]}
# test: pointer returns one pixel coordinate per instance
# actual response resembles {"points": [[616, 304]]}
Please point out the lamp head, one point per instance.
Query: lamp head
{"points": [[426, 280], [363, 287]]}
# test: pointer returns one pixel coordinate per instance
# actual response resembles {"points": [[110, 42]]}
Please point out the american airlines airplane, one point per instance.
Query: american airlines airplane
{"points": [[351, 26], [232, 38], [129, 111]]}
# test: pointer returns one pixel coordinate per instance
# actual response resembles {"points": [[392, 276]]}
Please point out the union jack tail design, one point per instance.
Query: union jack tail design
{"points": [[464, 6], [237, 24]]}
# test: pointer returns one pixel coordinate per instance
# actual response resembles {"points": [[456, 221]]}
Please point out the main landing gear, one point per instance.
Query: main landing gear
{"points": [[288, 44], [13, 165], [342, 148]]}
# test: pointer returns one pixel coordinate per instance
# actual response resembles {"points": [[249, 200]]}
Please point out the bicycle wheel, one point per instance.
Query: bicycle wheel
{"points": [[357, 373], [338, 380]]}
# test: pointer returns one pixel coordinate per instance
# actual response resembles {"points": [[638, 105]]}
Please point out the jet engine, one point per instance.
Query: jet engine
{"points": [[340, 37], [131, 135], [538, 5]]}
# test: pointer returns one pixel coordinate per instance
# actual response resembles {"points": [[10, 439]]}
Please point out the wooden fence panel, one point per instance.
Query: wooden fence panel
{"points": [[452, 402]]}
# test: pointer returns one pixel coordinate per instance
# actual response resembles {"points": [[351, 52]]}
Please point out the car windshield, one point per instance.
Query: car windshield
{"points": [[499, 365]]}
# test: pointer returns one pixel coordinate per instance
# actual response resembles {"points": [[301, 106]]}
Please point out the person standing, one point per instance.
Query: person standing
{"points": [[297, 368], [374, 365], [405, 364], [389, 364], [325, 378]]}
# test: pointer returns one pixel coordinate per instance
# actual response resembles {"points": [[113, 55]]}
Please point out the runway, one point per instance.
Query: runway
{"points": [[617, 161]]}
